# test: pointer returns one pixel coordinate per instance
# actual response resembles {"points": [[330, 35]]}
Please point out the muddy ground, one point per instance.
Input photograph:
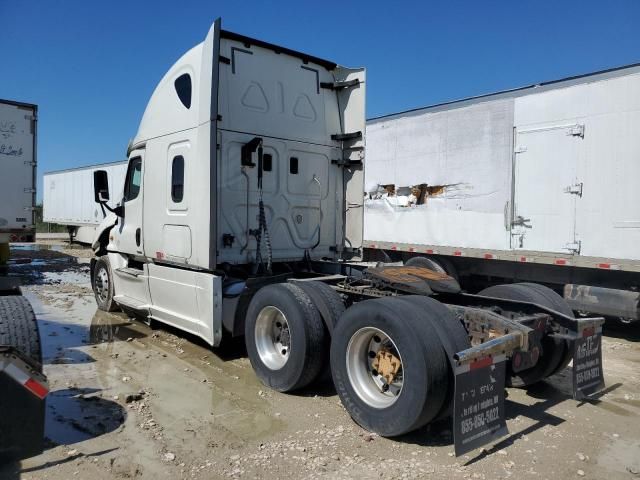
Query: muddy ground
{"points": [[131, 401]]}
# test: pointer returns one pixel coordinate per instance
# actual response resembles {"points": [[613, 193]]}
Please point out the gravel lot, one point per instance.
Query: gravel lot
{"points": [[131, 401]]}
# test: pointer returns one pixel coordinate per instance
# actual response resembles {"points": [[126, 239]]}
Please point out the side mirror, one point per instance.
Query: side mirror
{"points": [[100, 186]]}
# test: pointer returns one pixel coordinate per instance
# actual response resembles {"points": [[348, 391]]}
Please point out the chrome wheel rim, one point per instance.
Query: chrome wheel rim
{"points": [[364, 351], [273, 337], [102, 284]]}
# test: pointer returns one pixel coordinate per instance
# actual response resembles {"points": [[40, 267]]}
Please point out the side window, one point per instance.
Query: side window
{"points": [[133, 180], [177, 179], [183, 89]]}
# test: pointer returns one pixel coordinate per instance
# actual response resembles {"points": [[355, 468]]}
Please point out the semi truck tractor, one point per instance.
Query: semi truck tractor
{"points": [[242, 215], [23, 386], [535, 184]]}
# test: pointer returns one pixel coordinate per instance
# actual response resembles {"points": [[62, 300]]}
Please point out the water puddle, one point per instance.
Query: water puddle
{"points": [[78, 414]]}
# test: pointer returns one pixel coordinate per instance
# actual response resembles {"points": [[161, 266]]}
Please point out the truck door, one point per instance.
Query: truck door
{"points": [[546, 189], [130, 238]]}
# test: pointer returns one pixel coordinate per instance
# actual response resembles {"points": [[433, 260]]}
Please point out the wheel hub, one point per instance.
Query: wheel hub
{"points": [[374, 367], [387, 365], [272, 337], [102, 284]]}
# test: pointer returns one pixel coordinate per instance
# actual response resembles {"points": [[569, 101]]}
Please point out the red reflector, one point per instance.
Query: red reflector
{"points": [[372, 246], [560, 261], [604, 265], [457, 253], [523, 259], [587, 332], [489, 256], [428, 250], [394, 247], [481, 363], [412, 249], [36, 388]]}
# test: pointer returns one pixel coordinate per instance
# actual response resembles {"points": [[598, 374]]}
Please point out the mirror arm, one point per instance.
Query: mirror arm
{"points": [[117, 210]]}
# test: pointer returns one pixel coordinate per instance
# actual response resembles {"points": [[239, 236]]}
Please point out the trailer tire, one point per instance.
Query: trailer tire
{"points": [[424, 366], [554, 350], [102, 284], [19, 327], [458, 338], [559, 304], [425, 262], [285, 337]]}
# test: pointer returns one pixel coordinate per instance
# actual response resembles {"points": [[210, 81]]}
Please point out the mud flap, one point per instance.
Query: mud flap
{"points": [[22, 406], [587, 362], [478, 411]]}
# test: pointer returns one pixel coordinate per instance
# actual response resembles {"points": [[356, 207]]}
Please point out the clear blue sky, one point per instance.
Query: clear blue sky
{"points": [[91, 66]]}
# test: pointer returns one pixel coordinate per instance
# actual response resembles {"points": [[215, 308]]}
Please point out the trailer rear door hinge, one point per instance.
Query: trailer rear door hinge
{"points": [[574, 247], [574, 189], [225, 60], [577, 131], [29, 190], [340, 85], [520, 149], [30, 163], [341, 137]]}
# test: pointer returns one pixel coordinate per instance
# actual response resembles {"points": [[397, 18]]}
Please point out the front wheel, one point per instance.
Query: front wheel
{"points": [[103, 285]]}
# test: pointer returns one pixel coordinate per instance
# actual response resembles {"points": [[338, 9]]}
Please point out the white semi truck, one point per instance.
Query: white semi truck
{"points": [[67, 198], [242, 215], [536, 184]]}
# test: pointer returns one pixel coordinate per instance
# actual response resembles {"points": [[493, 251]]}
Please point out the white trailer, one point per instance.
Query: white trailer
{"points": [[536, 184], [242, 212], [17, 171], [68, 198], [23, 386]]}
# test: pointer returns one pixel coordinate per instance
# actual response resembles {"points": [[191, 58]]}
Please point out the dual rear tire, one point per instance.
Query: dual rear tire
{"points": [[388, 363]]}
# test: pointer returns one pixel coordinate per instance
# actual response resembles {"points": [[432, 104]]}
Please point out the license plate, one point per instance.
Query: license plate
{"points": [[587, 363], [478, 410]]}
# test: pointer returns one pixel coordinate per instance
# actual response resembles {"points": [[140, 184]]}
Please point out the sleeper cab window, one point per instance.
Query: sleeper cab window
{"points": [[183, 89], [134, 179], [177, 179]]}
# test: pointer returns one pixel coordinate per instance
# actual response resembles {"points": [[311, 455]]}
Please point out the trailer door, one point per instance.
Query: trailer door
{"points": [[546, 188]]}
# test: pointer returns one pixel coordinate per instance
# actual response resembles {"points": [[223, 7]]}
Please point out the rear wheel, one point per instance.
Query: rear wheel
{"points": [[554, 350], [285, 337], [389, 370], [441, 317]]}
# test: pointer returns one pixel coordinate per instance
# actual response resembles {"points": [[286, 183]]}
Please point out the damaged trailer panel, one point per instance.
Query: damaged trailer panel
{"points": [[539, 177]]}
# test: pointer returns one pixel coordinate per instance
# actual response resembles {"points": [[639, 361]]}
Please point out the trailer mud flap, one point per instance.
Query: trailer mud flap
{"points": [[22, 407], [587, 362], [479, 412]]}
